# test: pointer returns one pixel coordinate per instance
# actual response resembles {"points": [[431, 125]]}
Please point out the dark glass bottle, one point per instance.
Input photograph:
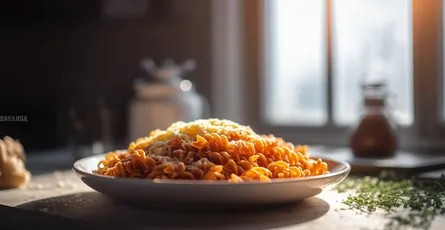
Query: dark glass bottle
{"points": [[375, 135]]}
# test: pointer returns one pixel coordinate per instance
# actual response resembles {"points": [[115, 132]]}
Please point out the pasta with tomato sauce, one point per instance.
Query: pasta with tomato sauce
{"points": [[211, 149]]}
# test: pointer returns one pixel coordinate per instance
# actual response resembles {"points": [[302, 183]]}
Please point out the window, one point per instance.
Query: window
{"points": [[371, 40], [297, 67], [304, 62]]}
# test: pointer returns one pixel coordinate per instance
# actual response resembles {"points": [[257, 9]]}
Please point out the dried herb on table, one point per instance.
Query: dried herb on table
{"points": [[406, 203]]}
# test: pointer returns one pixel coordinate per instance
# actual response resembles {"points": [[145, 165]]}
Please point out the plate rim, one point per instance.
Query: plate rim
{"points": [[346, 169]]}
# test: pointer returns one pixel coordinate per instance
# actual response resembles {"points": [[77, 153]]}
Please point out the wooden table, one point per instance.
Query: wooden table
{"points": [[61, 194]]}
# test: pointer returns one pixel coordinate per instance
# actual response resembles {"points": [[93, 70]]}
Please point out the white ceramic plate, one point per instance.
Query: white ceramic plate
{"points": [[214, 193]]}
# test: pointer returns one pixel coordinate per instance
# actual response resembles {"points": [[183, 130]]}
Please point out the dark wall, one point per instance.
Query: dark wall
{"points": [[57, 54]]}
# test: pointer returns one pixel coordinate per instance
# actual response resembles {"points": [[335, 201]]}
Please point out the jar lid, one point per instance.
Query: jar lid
{"points": [[168, 71], [162, 81], [155, 90]]}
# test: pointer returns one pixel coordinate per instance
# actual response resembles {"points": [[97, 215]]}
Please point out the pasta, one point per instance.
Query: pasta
{"points": [[211, 149]]}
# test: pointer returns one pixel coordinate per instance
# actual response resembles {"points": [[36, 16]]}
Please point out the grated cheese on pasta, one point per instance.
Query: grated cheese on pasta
{"points": [[211, 149]]}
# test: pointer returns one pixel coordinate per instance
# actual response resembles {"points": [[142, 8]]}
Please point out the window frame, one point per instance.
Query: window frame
{"points": [[426, 133]]}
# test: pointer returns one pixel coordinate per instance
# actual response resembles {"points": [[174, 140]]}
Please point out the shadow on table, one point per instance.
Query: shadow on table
{"points": [[95, 207]]}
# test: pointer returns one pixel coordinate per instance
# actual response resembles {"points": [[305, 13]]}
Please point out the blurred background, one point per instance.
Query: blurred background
{"points": [[58, 55], [78, 73]]}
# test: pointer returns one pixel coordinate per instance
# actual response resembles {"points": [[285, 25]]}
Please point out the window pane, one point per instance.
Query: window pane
{"points": [[295, 61], [372, 39]]}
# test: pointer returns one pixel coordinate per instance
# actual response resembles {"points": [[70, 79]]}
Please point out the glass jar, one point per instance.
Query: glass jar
{"points": [[375, 135], [163, 97]]}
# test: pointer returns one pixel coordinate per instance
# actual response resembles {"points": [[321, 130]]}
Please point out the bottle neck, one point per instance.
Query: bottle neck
{"points": [[374, 102], [374, 106]]}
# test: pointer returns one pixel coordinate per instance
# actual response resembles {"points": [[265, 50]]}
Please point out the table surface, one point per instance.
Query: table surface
{"points": [[62, 194]]}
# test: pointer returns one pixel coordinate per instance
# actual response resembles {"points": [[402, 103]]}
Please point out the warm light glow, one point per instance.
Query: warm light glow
{"points": [[185, 85]]}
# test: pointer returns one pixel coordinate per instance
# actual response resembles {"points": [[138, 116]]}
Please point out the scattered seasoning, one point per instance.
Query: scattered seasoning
{"points": [[406, 203]]}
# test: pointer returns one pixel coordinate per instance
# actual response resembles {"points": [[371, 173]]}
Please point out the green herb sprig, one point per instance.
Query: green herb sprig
{"points": [[406, 203]]}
